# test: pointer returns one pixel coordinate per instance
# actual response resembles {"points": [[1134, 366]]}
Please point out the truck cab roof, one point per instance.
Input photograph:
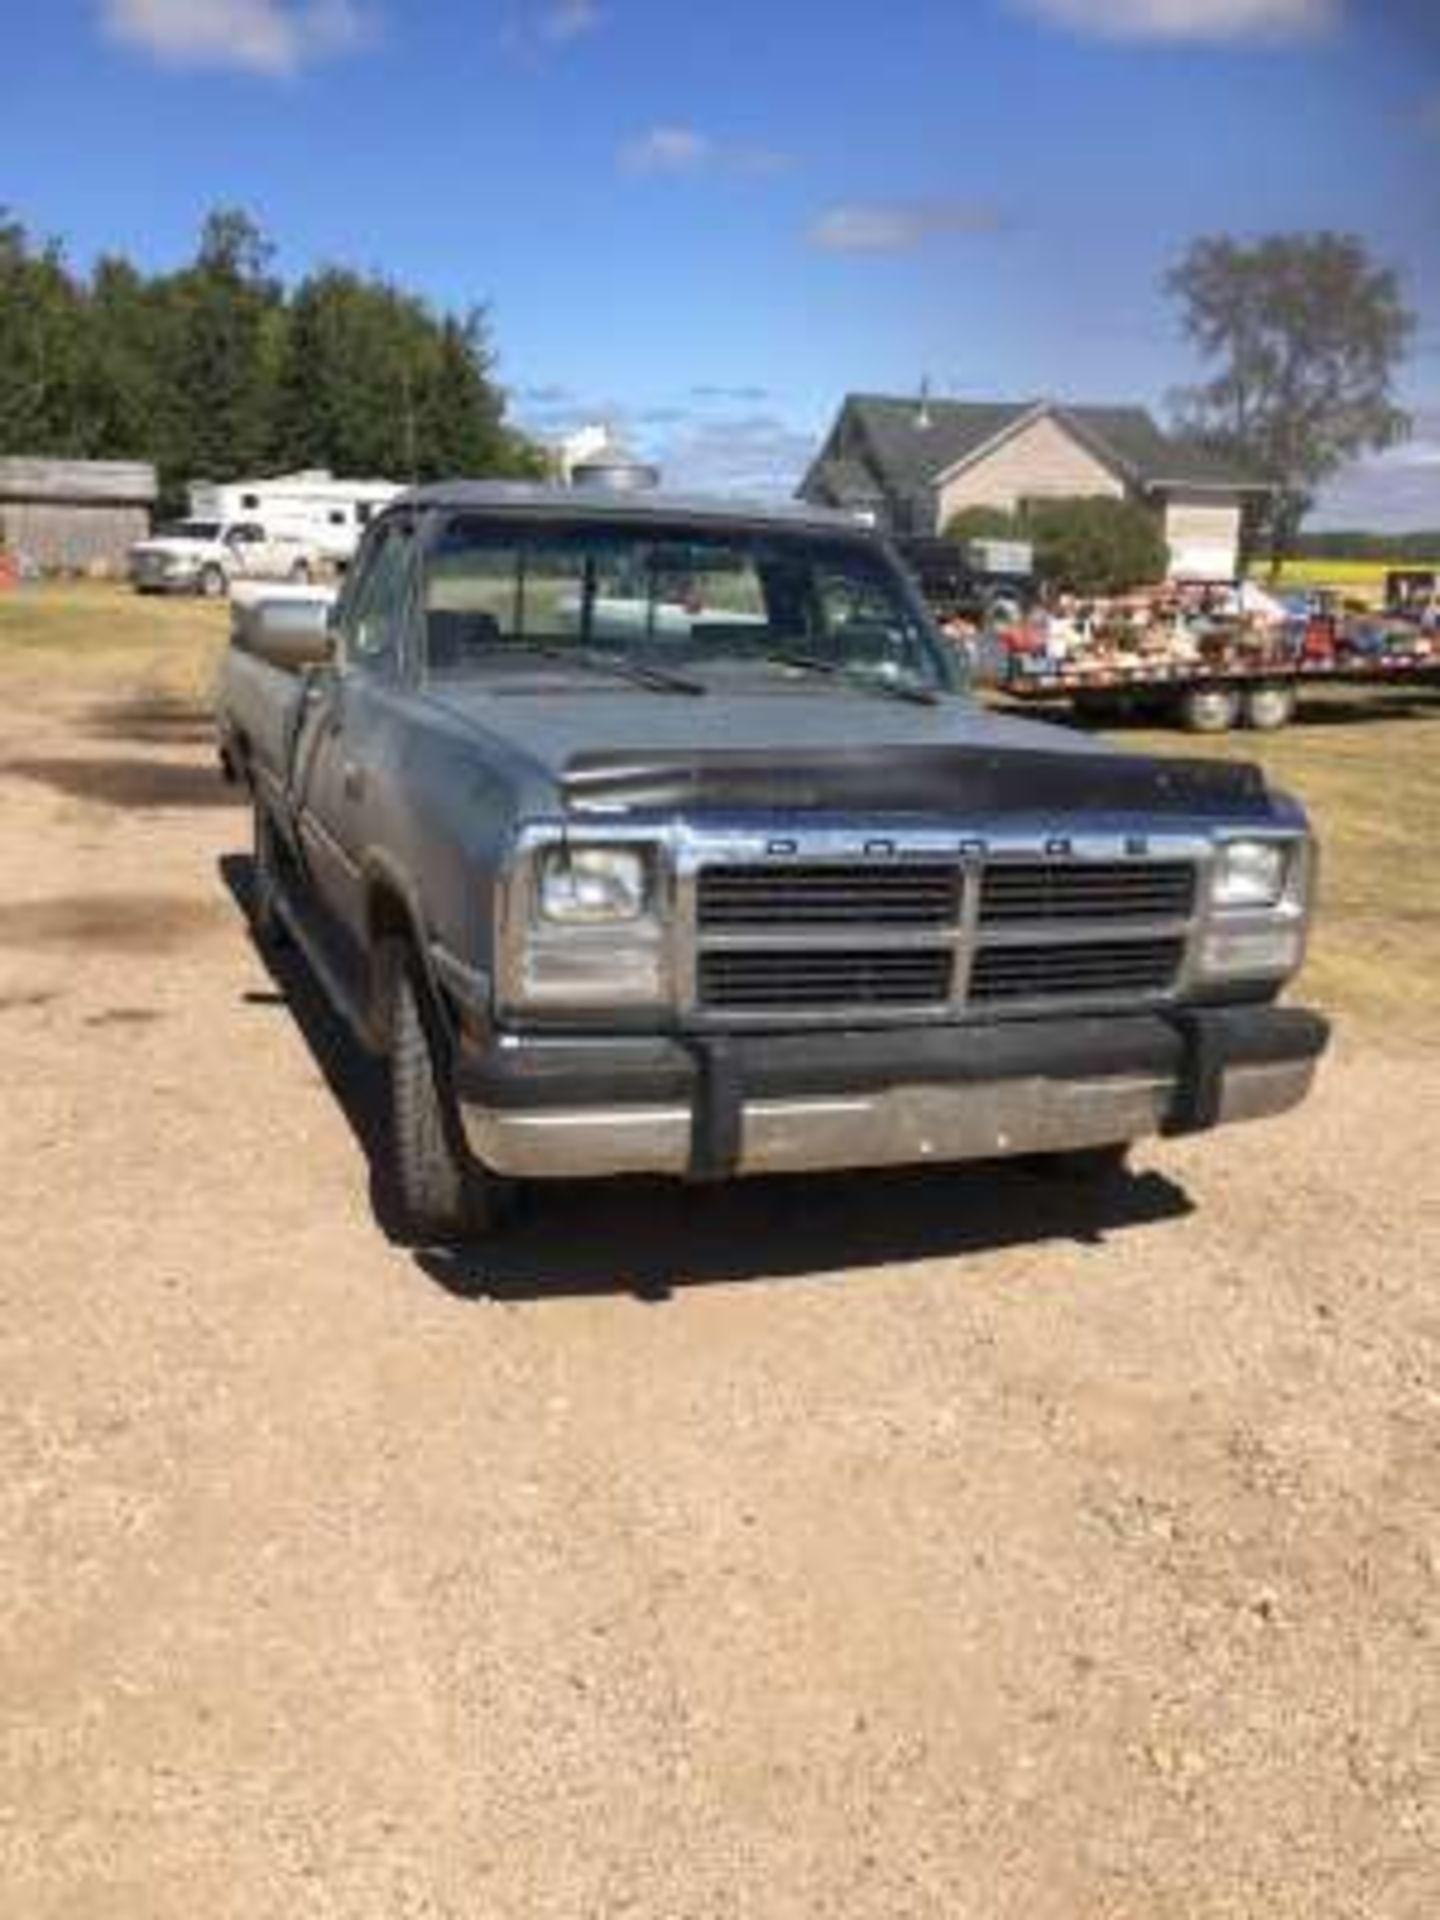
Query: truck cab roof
{"points": [[533, 500]]}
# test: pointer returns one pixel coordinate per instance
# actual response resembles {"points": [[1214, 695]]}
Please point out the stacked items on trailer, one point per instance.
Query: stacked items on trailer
{"points": [[1242, 628], [1212, 657]]}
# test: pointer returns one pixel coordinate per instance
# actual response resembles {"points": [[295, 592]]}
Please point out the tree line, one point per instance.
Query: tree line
{"points": [[218, 370], [1396, 549]]}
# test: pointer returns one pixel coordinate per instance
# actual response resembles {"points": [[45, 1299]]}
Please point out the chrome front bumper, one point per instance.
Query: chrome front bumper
{"points": [[903, 1123]]}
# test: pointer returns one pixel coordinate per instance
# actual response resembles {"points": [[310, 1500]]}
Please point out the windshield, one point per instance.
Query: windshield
{"points": [[190, 530], [672, 596]]}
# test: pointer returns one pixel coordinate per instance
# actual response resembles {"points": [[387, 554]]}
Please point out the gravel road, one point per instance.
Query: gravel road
{"points": [[945, 1545]]}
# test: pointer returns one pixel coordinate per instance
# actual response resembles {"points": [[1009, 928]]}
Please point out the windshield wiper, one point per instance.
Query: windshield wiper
{"points": [[638, 673], [855, 677], [642, 672]]}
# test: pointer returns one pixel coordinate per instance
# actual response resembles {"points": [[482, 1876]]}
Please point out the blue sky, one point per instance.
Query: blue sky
{"points": [[705, 224]]}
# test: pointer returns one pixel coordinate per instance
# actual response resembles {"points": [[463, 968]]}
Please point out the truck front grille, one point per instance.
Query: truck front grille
{"points": [[807, 978], [1042, 890], [928, 932], [831, 894], [1075, 969]]}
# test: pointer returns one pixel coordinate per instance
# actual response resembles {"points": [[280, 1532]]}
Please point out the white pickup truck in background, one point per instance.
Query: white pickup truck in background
{"points": [[209, 556]]}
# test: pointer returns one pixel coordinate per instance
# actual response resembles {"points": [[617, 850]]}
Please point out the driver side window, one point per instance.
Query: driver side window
{"points": [[375, 617]]}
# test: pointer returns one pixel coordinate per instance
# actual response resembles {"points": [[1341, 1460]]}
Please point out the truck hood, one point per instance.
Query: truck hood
{"points": [[832, 748]]}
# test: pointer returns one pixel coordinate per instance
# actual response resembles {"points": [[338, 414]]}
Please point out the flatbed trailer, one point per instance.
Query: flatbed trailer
{"points": [[1208, 697]]}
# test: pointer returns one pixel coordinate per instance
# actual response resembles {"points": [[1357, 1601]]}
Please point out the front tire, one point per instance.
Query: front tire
{"points": [[440, 1193], [212, 583], [270, 928]]}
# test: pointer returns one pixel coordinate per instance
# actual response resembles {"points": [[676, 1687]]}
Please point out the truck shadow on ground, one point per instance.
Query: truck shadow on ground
{"points": [[650, 1238], [132, 785], [155, 720]]}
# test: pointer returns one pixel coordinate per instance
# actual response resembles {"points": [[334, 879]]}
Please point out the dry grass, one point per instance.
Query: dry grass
{"points": [[1366, 769], [1359, 579], [86, 633]]}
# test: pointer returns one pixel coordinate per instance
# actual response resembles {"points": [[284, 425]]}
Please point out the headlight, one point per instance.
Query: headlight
{"points": [[592, 886], [1262, 953], [1251, 873]]}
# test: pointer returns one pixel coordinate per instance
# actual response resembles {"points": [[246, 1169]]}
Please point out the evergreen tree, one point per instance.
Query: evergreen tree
{"points": [[226, 313], [42, 348]]}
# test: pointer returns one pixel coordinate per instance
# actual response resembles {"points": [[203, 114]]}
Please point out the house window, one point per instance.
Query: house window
{"points": [[337, 518], [250, 503]]}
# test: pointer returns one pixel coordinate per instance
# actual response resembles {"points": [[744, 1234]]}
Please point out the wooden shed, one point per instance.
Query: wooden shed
{"points": [[74, 516]]}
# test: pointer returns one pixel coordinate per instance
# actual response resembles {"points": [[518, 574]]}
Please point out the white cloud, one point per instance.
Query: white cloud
{"points": [[1216, 21], [274, 37], [898, 226], [534, 30], [683, 149], [567, 20], [759, 456], [674, 149], [752, 453], [1391, 492], [745, 396]]}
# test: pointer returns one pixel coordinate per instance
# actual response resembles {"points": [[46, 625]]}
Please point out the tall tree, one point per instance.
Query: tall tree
{"points": [[354, 352], [130, 404], [42, 347], [226, 313], [373, 382], [1306, 334], [460, 411]]}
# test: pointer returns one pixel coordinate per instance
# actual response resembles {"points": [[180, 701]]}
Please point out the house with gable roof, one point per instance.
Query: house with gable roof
{"points": [[908, 466]]}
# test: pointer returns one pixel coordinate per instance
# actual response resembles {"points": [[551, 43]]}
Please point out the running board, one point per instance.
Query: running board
{"points": [[329, 972]]}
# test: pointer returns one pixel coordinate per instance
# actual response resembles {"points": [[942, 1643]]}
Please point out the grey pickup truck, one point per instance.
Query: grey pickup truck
{"points": [[643, 834]]}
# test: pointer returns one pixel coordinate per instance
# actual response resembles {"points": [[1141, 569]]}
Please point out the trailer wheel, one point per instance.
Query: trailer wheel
{"points": [[1209, 709], [1269, 708]]}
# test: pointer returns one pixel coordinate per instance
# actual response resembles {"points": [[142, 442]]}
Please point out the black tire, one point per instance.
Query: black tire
{"points": [[1269, 708], [212, 583], [1209, 709], [439, 1192], [270, 929]]}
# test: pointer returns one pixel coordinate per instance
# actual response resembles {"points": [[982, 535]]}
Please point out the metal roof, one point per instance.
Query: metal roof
{"points": [[912, 445], [115, 482], [521, 496]]}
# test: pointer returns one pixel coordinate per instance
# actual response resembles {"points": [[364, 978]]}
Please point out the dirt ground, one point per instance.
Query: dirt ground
{"points": [[946, 1545]]}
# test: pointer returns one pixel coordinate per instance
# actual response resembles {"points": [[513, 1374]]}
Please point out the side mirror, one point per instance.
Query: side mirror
{"points": [[290, 634]]}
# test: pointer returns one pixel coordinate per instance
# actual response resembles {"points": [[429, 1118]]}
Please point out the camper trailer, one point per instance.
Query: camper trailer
{"points": [[315, 507]]}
